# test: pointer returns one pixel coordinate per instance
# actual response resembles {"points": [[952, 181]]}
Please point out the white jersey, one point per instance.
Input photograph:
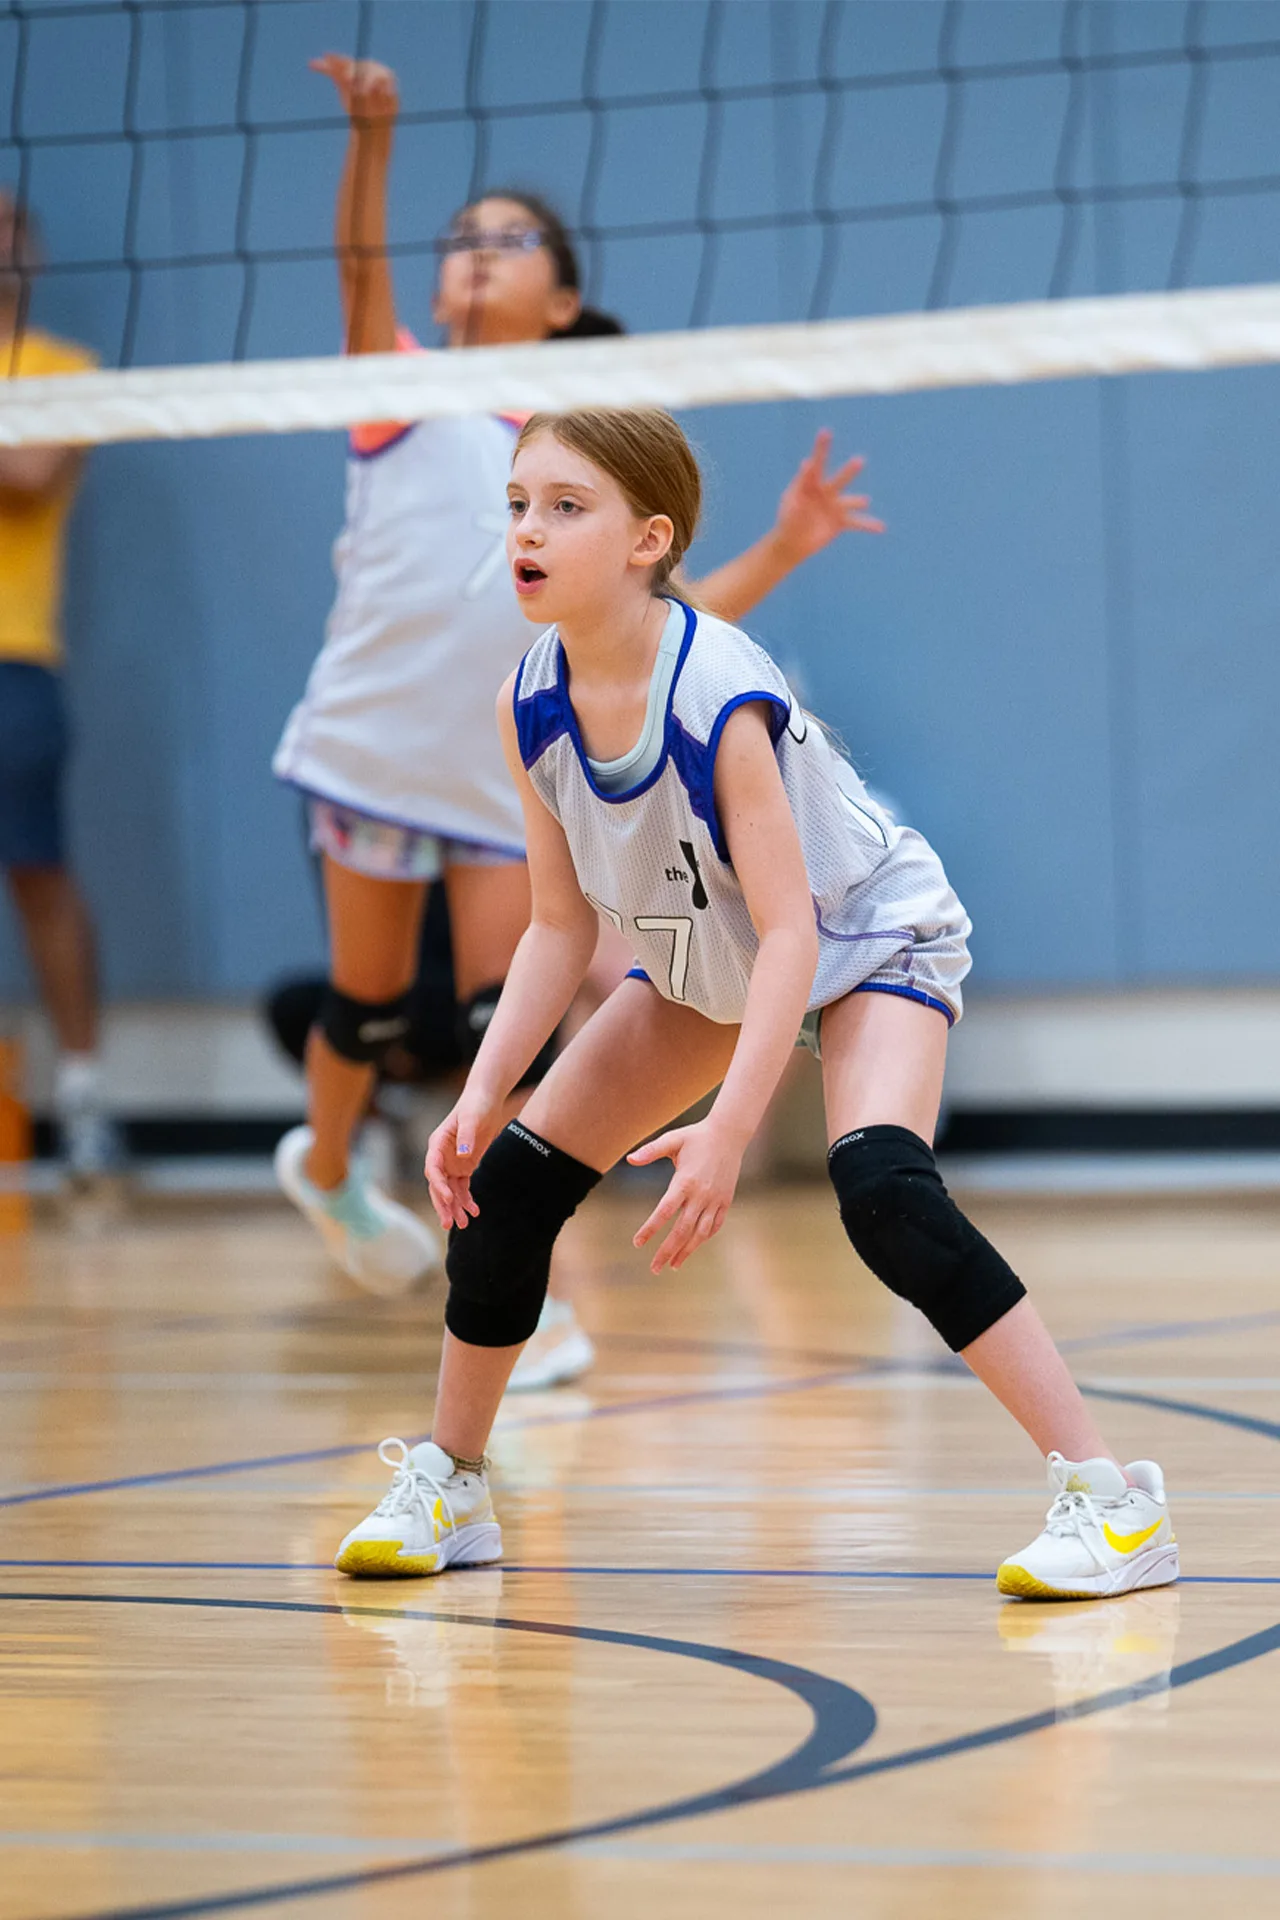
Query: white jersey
{"points": [[654, 861], [397, 719]]}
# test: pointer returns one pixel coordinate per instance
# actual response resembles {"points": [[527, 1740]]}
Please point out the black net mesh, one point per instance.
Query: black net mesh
{"points": [[718, 160]]}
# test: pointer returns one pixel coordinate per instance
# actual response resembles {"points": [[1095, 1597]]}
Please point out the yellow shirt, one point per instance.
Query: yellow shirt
{"points": [[33, 527]]}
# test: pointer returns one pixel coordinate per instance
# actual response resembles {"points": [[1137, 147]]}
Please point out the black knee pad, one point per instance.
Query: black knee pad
{"points": [[473, 1024], [362, 1030], [906, 1227], [499, 1264]]}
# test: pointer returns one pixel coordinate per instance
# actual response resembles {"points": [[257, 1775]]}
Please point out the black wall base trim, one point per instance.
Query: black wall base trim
{"points": [[1002, 1130], [1113, 1130], [190, 1137]]}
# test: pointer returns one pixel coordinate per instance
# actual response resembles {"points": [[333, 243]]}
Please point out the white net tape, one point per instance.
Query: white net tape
{"points": [[974, 346]]}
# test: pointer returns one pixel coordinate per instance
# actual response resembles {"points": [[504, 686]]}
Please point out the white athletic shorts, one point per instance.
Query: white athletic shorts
{"points": [[930, 973], [385, 851]]}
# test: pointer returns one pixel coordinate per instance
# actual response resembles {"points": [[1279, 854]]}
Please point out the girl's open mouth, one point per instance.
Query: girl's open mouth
{"points": [[529, 576]]}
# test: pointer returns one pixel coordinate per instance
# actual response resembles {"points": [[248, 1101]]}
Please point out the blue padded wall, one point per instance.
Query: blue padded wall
{"points": [[1060, 659]]}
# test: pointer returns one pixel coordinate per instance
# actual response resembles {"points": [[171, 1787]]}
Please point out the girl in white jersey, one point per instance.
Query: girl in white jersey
{"points": [[394, 742], [672, 785]]}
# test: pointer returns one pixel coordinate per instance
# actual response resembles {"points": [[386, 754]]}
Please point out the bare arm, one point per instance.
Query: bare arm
{"points": [[814, 510], [546, 971], [368, 93], [35, 472], [769, 863]]}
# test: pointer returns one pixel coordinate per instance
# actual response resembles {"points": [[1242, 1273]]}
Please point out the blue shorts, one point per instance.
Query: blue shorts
{"points": [[33, 751]]}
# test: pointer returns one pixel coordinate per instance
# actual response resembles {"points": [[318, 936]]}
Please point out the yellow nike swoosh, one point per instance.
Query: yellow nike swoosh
{"points": [[1129, 1542]]}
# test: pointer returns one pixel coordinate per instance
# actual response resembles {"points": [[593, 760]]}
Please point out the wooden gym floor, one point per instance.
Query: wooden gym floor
{"points": [[745, 1656]]}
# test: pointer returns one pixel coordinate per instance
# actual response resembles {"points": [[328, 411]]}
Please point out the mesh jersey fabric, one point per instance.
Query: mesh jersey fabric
{"points": [[397, 718], [33, 527], [654, 861]]}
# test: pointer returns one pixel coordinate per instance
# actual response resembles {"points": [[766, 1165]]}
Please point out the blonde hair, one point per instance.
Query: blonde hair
{"points": [[644, 450]]}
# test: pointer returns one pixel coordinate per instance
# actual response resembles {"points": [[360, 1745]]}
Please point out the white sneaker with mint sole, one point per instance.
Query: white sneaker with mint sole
{"points": [[433, 1516], [557, 1352], [382, 1246], [1103, 1535]]}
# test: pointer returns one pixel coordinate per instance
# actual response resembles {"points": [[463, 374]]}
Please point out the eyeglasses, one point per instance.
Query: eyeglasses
{"points": [[496, 240]]}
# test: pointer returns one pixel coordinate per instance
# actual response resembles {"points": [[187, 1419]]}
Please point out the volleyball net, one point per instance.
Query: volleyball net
{"points": [[837, 197]]}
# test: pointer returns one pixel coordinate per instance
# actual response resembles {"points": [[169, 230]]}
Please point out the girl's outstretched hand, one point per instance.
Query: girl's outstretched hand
{"points": [[815, 508], [707, 1165], [367, 89], [453, 1154]]}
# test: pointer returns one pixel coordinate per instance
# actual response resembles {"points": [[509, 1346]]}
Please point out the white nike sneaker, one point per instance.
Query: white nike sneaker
{"points": [[1102, 1536], [557, 1352], [384, 1247], [433, 1516]]}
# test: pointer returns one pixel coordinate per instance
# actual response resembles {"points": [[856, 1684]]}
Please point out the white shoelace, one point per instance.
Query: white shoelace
{"points": [[412, 1488], [1069, 1513]]}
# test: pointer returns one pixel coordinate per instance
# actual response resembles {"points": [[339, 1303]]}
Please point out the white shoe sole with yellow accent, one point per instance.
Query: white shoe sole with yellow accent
{"points": [[474, 1545], [1154, 1567]]}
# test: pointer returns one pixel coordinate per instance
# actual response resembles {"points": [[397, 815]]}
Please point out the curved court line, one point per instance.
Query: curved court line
{"points": [[766, 1389], [850, 1365], [843, 1721], [33, 1496], [1141, 1334], [770, 1783], [1194, 1409]]}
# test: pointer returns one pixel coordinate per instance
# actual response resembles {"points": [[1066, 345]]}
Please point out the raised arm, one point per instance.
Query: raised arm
{"points": [[371, 100], [546, 971], [33, 473], [768, 860], [814, 510]]}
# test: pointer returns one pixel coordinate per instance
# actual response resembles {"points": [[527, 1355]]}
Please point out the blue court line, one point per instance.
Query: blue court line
{"points": [[611, 1409], [624, 1573], [1140, 1334], [843, 1721], [1252, 1647], [767, 1389], [1194, 1409]]}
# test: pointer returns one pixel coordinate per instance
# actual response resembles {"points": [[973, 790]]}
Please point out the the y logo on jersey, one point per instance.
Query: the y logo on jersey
{"points": [[699, 895]]}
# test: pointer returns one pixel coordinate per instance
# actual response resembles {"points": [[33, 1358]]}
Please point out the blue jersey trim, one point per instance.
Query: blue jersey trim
{"points": [[699, 778], [637, 973], [909, 993], [539, 719], [670, 725], [876, 933]]}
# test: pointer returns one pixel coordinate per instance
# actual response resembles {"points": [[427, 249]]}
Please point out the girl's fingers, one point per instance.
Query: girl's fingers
{"points": [[660, 1149], [855, 502], [672, 1203], [666, 1210], [847, 471]]}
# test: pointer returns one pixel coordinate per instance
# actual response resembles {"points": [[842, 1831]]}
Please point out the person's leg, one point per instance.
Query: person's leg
{"points": [[883, 1058], [59, 939], [55, 922], [374, 925], [488, 912], [639, 1062]]}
